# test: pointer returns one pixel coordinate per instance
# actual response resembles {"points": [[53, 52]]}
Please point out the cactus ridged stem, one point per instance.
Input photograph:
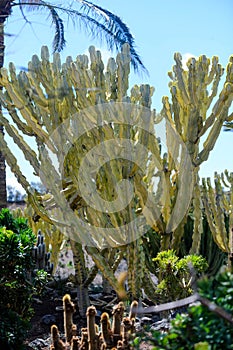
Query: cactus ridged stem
{"points": [[91, 328], [69, 309]]}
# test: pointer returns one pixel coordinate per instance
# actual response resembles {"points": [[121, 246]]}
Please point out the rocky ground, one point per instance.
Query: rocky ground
{"points": [[48, 308]]}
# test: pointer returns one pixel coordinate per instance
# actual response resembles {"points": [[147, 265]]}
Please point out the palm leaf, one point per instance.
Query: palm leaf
{"points": [[228, 126], [98, 22], [120, 31]]}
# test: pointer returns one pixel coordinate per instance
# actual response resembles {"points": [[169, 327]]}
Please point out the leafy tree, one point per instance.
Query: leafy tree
{"points": [[99, 22], [14, 195]]}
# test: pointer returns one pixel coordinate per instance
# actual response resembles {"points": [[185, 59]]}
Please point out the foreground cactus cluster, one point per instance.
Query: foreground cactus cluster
{"points": [[109, 336]]}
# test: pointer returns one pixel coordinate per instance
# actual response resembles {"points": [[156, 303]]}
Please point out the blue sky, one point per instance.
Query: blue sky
{"points": [[160, 28]]}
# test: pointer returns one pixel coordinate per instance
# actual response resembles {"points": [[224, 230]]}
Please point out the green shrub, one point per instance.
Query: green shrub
{"points": [[174, 277], [18, 283]]}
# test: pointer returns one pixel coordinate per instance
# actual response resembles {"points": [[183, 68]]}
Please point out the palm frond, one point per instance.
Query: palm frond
{"points": [[120, 31], [31, 4], [228, 126], [59, 38], [98, 22]]}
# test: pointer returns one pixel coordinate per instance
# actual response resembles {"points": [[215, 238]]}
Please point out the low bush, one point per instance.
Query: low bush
{"points": [[174, 276], [18, 282]]}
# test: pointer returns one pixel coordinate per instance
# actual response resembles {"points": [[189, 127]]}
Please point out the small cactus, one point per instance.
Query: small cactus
{"points": [[106, 329], [41, 257], [91, 328], [57, 343], [75, 343], [69, 309], [84, 339], [133, 310], [118, 312]]}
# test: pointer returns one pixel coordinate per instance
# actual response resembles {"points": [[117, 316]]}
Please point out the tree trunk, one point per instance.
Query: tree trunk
{"points": [[5, 10]]}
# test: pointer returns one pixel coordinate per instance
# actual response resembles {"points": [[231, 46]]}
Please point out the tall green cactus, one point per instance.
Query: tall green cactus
{"points": [[218, 203], [193, 91]]}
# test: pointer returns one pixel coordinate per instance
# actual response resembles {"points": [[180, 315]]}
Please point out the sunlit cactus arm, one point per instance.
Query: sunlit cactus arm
{"points": [[219, 210], [191, 102], [211, 140], [37, 206], [111, 82], [28, 152], [8, 105], [181, 77], [22, 103], [223, 175], [118, 258], [222, 196], [97, 68], [215, 75], [123, 69], [12, 162], [214, 214], [229, 198], [54, 238], [151, 211]]}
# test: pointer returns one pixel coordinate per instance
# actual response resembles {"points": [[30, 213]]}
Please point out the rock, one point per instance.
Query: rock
{"points": [[146, 320], [48, 320], [38, 344], [162, 325]]}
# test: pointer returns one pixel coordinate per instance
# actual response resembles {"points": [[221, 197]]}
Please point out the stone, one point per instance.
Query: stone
{"points": [[38, 344], [48, 320]]}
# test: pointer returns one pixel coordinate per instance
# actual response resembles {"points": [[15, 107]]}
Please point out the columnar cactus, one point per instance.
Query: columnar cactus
{"points": [[106, 331], [57, 343], [68, 309], [92, 328], [118, 312], [193, 91], [218, 204], [42, 258]]}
